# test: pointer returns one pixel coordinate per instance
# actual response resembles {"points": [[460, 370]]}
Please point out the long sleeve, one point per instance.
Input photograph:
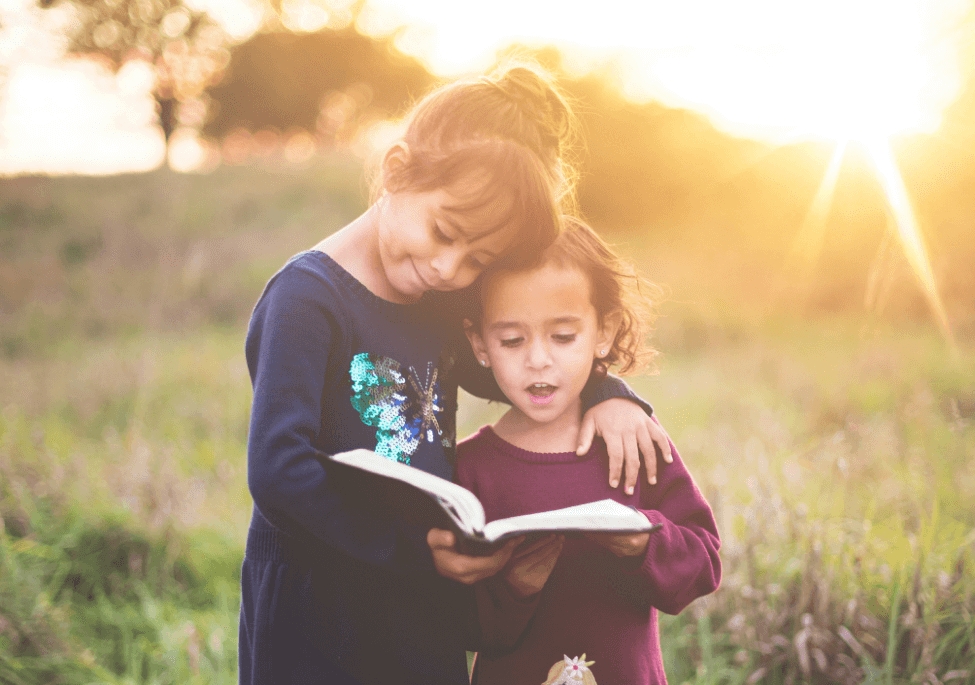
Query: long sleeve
{"points": [[289, 353], [681, 562]]}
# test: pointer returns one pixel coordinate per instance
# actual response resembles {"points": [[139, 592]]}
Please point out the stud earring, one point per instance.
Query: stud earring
{"points": [[602, 353], [483, 362]]}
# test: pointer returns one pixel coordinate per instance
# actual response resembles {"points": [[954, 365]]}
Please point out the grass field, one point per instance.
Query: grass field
{"points": [[838, 451]]}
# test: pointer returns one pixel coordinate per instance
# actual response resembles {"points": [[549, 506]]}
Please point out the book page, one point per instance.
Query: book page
{"points": [[605, 515]]}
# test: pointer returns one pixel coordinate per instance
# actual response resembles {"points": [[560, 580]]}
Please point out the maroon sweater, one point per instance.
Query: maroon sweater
{"points": [[594, 602]]}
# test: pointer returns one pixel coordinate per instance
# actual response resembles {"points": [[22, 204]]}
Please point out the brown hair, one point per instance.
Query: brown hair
{"points": [[615, 287], [515, 128]]}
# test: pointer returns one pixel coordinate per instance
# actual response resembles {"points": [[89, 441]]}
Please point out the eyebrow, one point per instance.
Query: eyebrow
{"points": [[449, 215], [497, 325]]}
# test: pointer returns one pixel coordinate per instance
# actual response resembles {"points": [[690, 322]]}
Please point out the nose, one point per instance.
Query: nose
{"points": [[447, 263], [538, 354]]}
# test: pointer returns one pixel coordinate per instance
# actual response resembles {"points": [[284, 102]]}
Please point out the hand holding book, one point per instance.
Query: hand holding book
{"points": [[531, 564], [464, 568], [459, 509], [622, 544]]}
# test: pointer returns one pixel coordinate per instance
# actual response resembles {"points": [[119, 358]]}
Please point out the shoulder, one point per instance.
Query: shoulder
{"points": [[302, 304], [306, 272], [308, 285], [476, 443], [476, 450]]}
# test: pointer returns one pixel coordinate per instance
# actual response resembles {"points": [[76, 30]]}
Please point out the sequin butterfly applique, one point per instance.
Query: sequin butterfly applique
{"points": [[405, 408]]}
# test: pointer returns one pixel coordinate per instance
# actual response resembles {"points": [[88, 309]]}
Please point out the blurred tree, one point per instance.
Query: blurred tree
{"points": [[328, 82], [187, 48]]}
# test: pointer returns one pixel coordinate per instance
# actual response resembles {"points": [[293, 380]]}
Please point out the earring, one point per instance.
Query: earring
{"points": [[483, 362], [602, 353]]}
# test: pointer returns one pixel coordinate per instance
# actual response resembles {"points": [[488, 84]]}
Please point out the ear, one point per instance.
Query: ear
{"points": [[607, 333], [477, 343], [396, 157]]}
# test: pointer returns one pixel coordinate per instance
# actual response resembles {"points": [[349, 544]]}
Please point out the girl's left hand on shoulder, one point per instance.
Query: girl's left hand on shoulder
{"points": [[628, 433], [622, 544]]}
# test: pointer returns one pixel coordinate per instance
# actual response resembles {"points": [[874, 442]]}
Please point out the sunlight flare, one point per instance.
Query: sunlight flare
{"points": [[809, 239], [908, 231]]}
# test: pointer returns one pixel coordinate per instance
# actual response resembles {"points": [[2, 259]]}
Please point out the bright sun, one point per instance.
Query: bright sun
{"points": [[774, 70], [838, 70]]}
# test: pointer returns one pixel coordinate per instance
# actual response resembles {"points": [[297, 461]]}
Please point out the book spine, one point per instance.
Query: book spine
{"points": [[476, 547]]}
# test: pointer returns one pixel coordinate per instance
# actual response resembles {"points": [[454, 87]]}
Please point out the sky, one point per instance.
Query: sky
{"points": [[775, 70]]}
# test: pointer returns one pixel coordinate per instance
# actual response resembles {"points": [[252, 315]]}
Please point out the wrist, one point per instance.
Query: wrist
{"points": [[522, 595], [608, 387], [520, 592]]}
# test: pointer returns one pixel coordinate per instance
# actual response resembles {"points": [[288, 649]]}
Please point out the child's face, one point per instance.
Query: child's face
{"points": [[540, 335], [426, 243]]}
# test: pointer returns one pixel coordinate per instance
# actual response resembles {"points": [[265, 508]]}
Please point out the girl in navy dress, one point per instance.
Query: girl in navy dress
{"points": [[351, 346]]}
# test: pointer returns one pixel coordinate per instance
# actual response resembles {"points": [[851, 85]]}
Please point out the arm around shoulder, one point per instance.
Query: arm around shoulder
{"points": [[607, 387]]}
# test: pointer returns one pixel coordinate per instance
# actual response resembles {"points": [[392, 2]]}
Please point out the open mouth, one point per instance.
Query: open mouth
{"points": [[541, 391]]}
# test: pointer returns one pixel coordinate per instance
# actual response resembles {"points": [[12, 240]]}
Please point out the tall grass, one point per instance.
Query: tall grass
{"points": [[122, 505], [123, 498], [840, 462], [839, 456]]}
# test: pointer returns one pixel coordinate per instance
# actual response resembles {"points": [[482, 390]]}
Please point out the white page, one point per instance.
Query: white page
{"points": [[604, 515]]}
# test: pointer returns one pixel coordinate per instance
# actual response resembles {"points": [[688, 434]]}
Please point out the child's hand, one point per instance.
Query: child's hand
{"points": [[467, 569], [628, 433], [622, 544], [529, 568]]}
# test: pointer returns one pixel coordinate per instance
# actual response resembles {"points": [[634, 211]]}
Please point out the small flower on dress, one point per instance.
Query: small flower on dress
{"points": [[569, 671]]}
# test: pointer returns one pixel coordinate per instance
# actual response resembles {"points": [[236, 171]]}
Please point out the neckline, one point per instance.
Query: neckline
{"points": [[358, 287], [521, 454]]}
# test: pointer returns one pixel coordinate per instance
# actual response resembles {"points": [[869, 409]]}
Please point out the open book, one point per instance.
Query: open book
{"points": [[466, 516]]}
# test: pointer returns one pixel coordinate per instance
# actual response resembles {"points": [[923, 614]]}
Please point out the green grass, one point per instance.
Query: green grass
{"points": [[838, 451], [841, 471], [123, 503]]}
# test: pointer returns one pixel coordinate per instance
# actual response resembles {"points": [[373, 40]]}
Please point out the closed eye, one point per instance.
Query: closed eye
{"points": [[477, 263], [511, 342], [564, 338], [440, 236]]}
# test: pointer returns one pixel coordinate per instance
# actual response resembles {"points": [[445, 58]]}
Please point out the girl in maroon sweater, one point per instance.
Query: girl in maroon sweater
{"points": [[590, 604]]}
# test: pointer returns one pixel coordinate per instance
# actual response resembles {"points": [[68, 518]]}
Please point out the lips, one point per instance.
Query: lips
{"points": [[541, 393], [421, 281], [427, 283]]}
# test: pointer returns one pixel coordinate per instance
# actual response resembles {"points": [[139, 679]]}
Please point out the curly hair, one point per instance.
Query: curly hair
{"points": [[615, 289]]}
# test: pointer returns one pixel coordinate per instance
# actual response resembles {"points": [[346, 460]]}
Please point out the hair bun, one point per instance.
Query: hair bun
{"points": [[515, 121], [535, 94]]}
